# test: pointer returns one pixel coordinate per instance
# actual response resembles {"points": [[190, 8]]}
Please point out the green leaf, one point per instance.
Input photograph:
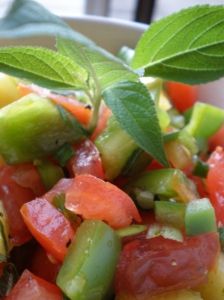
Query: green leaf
{"points": [[29, 18], [42, 66], [187, 46], [103, 68], [135, 110]]}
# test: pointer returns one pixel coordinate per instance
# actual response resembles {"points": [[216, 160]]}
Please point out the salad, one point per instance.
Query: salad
{"points": [[111, 169]]}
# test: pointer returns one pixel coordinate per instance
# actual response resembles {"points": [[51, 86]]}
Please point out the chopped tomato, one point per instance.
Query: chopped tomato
{"points": [[215, 182], [217, 139], [39, 259], [157, 265], [102, 122], [182, 95], [60, 188], [216, 157], [86, 160], [154, 165], [49, 227], [27, 176], [81, 112], [93, 198], [14, 196], [32, 287]]}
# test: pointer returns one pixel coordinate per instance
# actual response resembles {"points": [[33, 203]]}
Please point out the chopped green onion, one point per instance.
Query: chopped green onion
{"points": [[167, 232], [200, 217], [64, 153], [201, 168]]}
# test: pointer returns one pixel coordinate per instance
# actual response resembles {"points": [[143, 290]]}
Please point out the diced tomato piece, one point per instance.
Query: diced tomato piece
{"points": [[217, 139], [81, 112], [38, 260], [182, 95], [102, 122], [27, 176], [154, 165], [60, 188], [216, 157], [14, 196], [215, 182], [31, 287], [157, 265], [86, 160], [93, 198], [48, 226]]}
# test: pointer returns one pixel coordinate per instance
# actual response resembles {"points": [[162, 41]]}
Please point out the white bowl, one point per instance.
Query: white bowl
{"points": [[111, 34]]}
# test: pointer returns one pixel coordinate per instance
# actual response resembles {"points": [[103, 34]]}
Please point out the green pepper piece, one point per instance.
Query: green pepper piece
{"points": [[168, 183], [115, 147], [88, 269], [205, 120], [49, 173], [33, 127], [171, 213], [200, 217], [168, 232]]}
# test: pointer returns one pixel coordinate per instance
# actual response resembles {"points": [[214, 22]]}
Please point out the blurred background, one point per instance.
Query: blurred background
{"points": [[133, 10]]}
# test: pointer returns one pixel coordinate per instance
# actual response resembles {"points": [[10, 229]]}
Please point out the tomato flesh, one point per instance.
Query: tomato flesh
{"points": [[14, 196], [215, 183], [157, 265], [182, 95], [95, 199], [50, 228], [32, 287], [87, 160]]}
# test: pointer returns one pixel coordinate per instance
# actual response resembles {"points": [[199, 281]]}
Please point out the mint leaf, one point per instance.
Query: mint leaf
{"points": [[29, 18], [186, 46], [42, 66], [135, 110], [104, 68]]}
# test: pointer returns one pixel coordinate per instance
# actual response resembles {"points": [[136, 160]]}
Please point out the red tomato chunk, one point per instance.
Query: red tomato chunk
{"points": [[49, 227], [87, 160], [93, 198], [157, 265], [31, 287]]}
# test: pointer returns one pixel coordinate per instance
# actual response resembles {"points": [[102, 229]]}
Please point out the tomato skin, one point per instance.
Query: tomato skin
{"points": [[14, 196], [153, 266], [32, 287], [86, 160], [96, 199], [215, 183], [50, 228], [182, 95]]}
